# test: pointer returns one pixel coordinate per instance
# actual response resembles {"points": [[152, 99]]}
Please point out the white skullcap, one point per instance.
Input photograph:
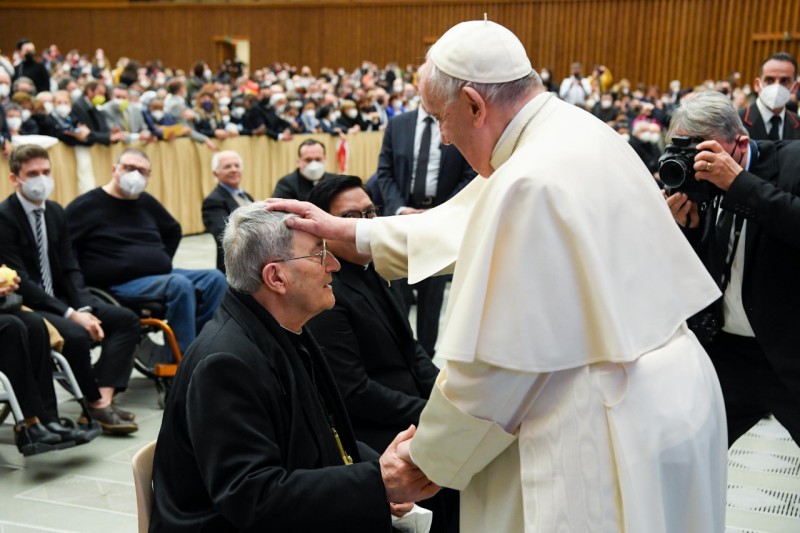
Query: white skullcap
{"points": [[482, 52], [275, 98]]}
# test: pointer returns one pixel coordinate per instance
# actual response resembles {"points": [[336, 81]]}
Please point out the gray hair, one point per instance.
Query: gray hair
{"points": [[218, 155], [709, 115], [253, 237], [447, 88]]}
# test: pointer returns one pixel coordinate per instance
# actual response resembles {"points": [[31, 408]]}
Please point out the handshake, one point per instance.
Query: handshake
{"points": [[404, 481]]}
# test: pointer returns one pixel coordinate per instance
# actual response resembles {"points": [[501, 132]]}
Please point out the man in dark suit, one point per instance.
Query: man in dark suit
{"points": [[310, 170], [768, 118], [255, 435], [30, 68], [84, 112], [384, 375], [227, 196], [412, 147], [34, 241], [748, 240]]}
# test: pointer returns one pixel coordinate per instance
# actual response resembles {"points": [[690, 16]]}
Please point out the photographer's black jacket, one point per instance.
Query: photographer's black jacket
{"points": [[768, 197]]}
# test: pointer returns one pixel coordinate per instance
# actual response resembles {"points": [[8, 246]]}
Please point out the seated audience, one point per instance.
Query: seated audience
{"points": [[255, 435], [227, 196], [207, 118], [86, 113], [123, 115], [125, 241], [59, 123], [34, 241]]}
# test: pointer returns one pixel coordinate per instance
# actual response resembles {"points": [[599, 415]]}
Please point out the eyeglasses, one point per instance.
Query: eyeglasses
{"points": [[323, 255], [130, 168], [369, 212]]}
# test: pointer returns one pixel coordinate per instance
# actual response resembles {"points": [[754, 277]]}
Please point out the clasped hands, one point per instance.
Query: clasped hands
{"points": [[404, 481]]}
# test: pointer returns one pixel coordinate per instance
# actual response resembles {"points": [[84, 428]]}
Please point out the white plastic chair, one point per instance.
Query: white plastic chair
{"points": [[142, 464]]}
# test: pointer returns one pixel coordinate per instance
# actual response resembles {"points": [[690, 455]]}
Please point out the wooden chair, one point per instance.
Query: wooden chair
{"points": [[142, 464]]}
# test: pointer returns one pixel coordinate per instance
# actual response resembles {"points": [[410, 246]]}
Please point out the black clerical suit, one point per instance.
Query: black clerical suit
{"points": [[84, 112], [294, 186], [245, 443], [18, 249], [395, 171], [762, 374], [756, 128], [383, 373], [217, 206]]}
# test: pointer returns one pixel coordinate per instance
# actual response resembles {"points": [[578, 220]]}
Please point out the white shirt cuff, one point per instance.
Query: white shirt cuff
{"points": [[362, 236], [68, 312]]}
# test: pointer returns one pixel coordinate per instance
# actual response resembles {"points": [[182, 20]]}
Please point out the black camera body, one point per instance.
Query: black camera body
{"points": [[676, 170]]}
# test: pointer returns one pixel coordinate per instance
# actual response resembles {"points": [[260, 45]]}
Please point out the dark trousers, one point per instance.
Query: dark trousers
{"points": [[430, 296], [113, 369], [751, 387], [25, 360]]}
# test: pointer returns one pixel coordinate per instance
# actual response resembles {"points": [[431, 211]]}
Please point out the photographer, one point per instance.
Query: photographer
{"points": [[575, 89], [748, 236]]}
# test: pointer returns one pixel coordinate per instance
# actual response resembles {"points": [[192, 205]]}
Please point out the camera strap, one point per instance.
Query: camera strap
{"points": [[726, 221]]}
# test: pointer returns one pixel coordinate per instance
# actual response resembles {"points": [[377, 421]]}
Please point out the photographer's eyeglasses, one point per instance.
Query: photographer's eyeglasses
{"points": [[323, 255], [369, 212]]}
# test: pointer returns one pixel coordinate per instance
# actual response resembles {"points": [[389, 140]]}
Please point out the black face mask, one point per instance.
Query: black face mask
{"points": [[29, 57]]}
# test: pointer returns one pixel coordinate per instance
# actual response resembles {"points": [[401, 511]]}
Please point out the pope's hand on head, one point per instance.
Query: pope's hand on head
{"points": [[314, 220]]}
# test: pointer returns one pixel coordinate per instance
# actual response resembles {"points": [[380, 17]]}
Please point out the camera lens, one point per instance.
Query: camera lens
{"points": [[672, 173]]}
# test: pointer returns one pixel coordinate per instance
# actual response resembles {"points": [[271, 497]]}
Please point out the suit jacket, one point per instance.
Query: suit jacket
{"points": [[754, 123], [132, 114], [216, 208], [294, 186], [83, 112], [18, 249], [395, 166], [245, 445], [768, 197], [383, 373]]}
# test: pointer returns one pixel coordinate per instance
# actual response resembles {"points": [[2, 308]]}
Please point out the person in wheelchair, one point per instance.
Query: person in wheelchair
{"points": [[125, 241], [25, 360], [35, 242]]}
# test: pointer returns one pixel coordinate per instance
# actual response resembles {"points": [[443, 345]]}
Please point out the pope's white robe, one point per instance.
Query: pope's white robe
{"points": [[574, 398]]}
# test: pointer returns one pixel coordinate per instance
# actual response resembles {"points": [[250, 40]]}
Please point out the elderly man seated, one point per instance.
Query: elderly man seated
{"points": [[255, 435], [226, 196]]}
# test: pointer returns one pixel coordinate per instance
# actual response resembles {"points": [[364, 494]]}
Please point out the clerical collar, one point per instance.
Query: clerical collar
{"points": [[298, 333]]}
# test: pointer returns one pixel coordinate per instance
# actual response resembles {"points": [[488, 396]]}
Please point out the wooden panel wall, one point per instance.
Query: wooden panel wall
{"points": [[643, 40]]}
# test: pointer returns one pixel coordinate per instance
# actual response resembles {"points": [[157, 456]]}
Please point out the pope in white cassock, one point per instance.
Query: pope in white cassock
{"points": [[574, 397]]}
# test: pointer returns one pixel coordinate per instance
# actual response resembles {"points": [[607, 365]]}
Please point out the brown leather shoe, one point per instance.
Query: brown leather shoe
{"points": [[127, 416], [110, 421]]}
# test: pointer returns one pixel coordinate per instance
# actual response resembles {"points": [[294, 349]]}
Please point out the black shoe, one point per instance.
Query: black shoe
{"points": [[127, 416], [67, 434], [110, 421], [38, 439]]}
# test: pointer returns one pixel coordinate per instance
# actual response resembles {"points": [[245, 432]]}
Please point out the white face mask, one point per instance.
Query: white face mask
{"points": [[63, 110], [48, 107], [38, 189], [313, 171], [132, 183], [158, 115], [14, 123], [351, 113], [25, 115], [774, 96], [626, 137], [76, 94], [5, 90], [237, 112], [605, 104], [224, 101]]}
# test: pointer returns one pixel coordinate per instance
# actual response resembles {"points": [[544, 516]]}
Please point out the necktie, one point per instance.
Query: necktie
{"points": [[241, 198], [44, 261], [775, 130], [421, 175]]}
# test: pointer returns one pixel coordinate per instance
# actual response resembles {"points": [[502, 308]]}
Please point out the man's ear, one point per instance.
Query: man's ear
{"points": [[274, 278], [476, 106], [757, 85]]}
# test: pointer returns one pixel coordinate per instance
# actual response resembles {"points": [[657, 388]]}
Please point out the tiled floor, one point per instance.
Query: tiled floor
{"points": [[89, 488]]}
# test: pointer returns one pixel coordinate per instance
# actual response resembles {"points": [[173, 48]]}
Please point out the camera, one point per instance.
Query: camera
{"points": [[676, 170]]}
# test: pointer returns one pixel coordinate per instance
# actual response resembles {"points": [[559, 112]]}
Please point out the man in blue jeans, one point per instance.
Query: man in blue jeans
{"points": [[125, 241]]}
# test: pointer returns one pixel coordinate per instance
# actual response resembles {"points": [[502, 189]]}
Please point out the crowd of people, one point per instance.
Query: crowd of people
{"points": [[311, 347]]}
